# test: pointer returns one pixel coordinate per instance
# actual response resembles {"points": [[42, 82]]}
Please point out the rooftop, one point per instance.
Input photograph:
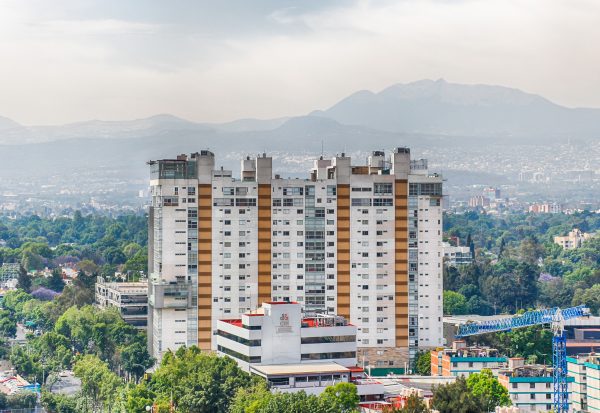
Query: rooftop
{"points": [[324, 320], [531, 370], [472, 351], [309, 322], [140, 287], [304, 368], [235, 322]]}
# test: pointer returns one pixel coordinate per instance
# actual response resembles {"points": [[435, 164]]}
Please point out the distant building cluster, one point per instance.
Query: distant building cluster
{"points": [[573, 239], [546, 208], [491, 201]]}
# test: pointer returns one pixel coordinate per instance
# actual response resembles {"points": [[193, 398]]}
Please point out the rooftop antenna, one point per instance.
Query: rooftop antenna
{"points": [[322, 150]]}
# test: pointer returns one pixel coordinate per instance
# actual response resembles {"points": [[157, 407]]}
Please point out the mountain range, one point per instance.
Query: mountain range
{"points": [[425, 107], [423, 115]]}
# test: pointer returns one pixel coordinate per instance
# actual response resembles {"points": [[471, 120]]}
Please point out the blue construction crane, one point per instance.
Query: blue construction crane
{"points": [[553, 316]]}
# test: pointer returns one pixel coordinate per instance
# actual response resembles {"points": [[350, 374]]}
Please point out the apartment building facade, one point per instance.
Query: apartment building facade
{"points": [[530, 387], [363, 242], [584, 370], [463, 360]]}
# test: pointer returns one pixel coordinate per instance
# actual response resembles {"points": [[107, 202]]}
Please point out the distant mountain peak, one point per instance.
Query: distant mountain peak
{"points": [[441, 107], [165, 117], [6, 123]]}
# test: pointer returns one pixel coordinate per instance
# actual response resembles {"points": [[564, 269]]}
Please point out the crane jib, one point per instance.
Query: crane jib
{"points": [[554, 316], [530, 318]]}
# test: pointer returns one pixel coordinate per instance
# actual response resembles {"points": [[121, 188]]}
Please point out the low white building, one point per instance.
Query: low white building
{"points": [[293, 352], [130, 298], [454, 256]]}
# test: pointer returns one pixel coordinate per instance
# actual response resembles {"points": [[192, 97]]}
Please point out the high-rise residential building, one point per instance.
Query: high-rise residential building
{"points": [[362, 242]]}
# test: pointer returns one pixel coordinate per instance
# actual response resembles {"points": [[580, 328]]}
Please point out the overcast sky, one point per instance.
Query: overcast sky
{"points": [[64, 61]]}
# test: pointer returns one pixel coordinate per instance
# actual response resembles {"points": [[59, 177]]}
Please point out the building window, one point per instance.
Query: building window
{"points": [[239, 356], [361, 202], [380, 189], [327, 356]]}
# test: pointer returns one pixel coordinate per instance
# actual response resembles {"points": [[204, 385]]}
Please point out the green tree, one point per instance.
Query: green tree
{"points": [[137, 263], [530, 250], [56, 282], [88, 266], [114, 255], [341, 397], [4, 348], [258, 399], [526, 342], [135, 358], [24, 400], [588, 296], [137, 397], [58, 403], [8, 326], [131, 249], [457, 398], [99, 385], [198, 382], [24, 280], [486, 386], [423, 363], [454, 303]]}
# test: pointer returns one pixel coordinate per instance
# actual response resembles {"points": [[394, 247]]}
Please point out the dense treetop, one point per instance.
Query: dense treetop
{"points": [[99, 244], [517, 266]]}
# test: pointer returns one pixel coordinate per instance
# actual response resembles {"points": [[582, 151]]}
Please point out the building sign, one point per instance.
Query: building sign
{"points": [[284, 324]]}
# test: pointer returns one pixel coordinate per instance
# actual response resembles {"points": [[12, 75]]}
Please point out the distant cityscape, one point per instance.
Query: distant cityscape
{"points": [[566, 176]]}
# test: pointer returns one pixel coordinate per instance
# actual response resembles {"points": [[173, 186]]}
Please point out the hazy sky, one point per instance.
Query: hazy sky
{"points": [[218, 60]]}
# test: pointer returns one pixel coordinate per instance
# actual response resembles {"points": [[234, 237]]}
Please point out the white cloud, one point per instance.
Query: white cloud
{"points": [[61, 69], [96, 27]]}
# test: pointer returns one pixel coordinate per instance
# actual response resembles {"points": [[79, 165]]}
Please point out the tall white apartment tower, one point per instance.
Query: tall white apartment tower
{"points": [[363, 242]]}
